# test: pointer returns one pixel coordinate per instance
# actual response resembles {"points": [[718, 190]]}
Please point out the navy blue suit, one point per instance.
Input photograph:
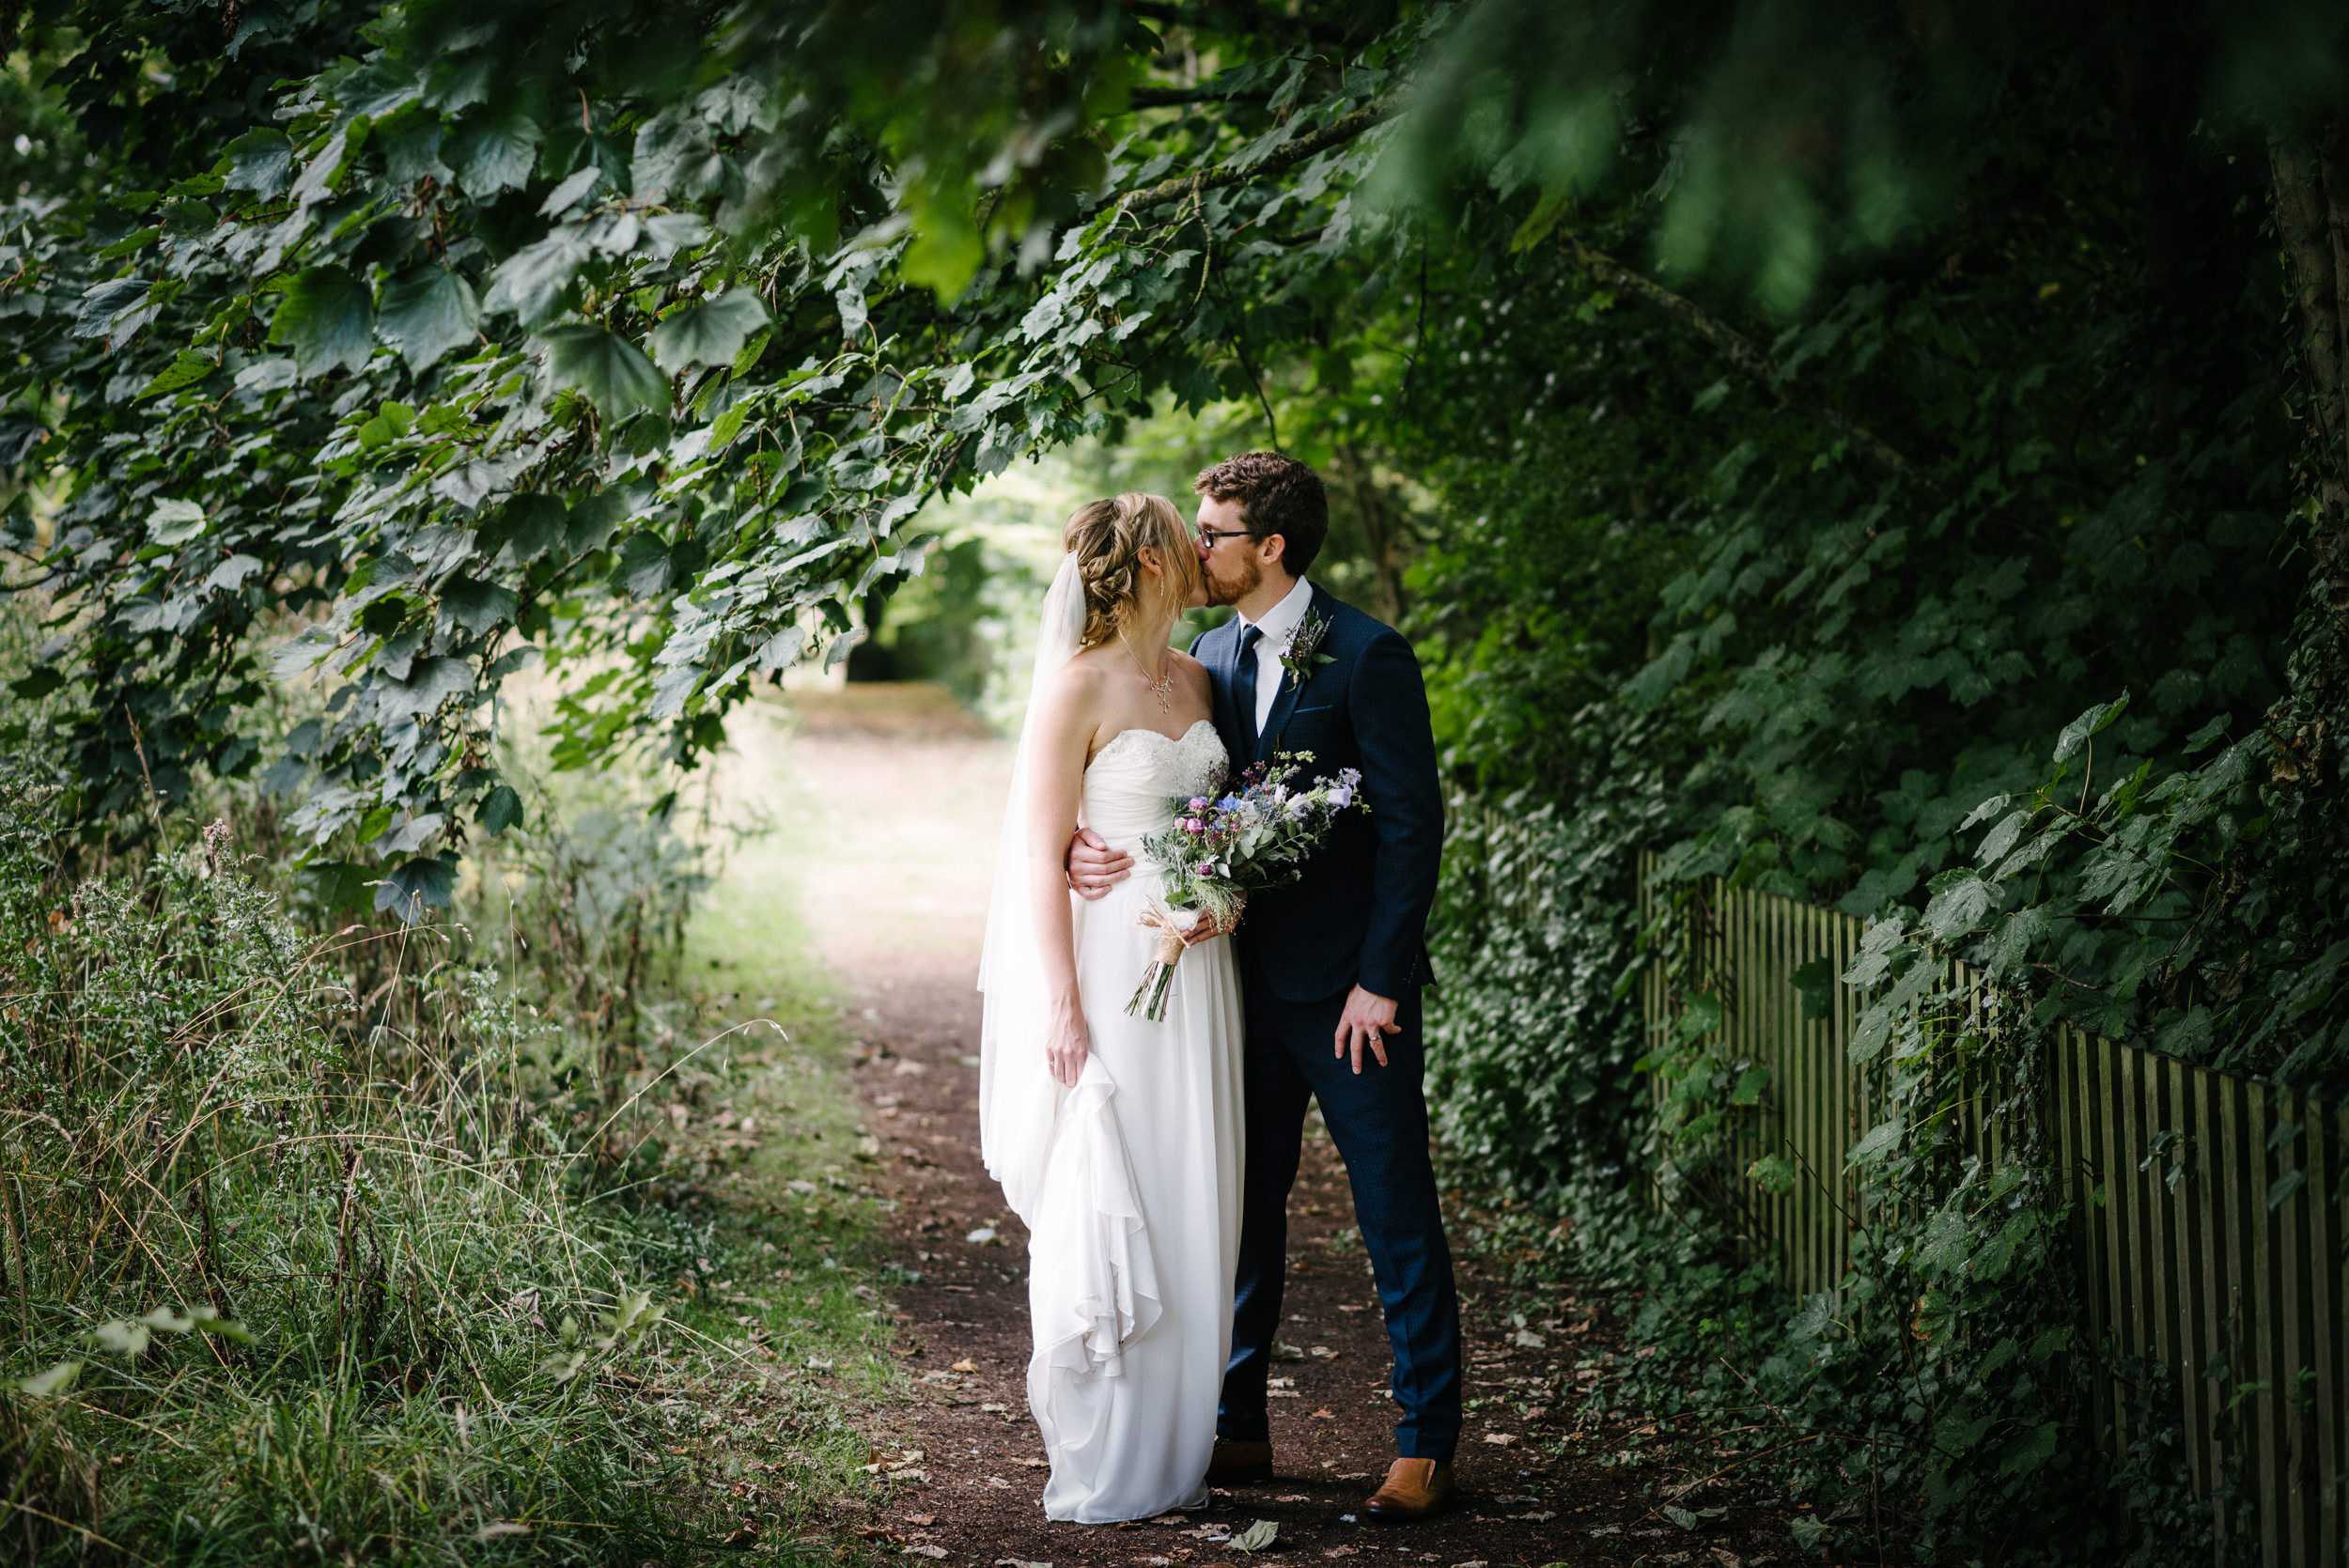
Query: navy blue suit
{"points": [[1358, 915]]}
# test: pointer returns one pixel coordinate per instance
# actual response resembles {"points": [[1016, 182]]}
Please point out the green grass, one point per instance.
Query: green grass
{"points": [[419, 1198]]}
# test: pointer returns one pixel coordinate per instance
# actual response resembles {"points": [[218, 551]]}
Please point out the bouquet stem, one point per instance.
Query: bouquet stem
{"points": [[1149, 998]]}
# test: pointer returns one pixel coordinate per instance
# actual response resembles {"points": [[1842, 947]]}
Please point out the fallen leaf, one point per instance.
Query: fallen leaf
{"points": [[1500, 1440], [926, 1549], [995, 1409], [1541, 1518], [1727, 1559], [1528, 1339], [966, 1364], [981, 1236], [999, 1481], [1294, 1496], [1257, 1537], [1341, 1551], [921, 1519], [1037, 1464], [1325, 1415], [490, 1532]]}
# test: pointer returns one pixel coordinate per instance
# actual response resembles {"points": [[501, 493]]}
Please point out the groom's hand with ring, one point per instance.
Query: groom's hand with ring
{"points": [[1367, 1022], [1094, 868]]}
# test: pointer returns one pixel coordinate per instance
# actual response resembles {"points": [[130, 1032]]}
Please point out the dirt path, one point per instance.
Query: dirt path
{"points": [[894, 902]]}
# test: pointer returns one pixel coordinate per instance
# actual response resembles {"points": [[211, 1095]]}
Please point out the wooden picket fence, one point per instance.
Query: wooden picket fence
{"points": [[2205, 1221]]}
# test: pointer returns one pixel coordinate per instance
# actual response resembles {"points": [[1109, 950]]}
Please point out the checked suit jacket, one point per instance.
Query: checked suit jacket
{"points": [[1359, 912]]}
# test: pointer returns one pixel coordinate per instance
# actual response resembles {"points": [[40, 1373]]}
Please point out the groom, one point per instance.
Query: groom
{"points": [[1330, 966]]}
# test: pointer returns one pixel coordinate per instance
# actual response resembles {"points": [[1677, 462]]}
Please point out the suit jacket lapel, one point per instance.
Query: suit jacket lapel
{"points": [[1291, 689]]}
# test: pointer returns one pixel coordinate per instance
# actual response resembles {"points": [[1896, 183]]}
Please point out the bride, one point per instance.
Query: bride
{"points": [[1116, 1140]]}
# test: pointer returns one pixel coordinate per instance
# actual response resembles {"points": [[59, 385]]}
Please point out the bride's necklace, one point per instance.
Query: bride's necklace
{"points": [[1162, 687]]}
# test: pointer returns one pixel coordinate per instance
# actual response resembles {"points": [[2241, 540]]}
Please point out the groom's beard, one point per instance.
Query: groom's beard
{"points": [[1221, 591]]}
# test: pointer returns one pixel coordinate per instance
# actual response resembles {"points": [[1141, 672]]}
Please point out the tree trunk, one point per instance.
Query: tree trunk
{"points": [[1379, 534], [2312, 222]]}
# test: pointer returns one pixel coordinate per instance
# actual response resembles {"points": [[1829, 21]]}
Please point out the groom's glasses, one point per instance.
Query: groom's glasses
{"points": [[1211, 536]]}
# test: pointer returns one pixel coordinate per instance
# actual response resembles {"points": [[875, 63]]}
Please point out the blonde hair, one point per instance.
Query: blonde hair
{"points": [[1107, 537]]}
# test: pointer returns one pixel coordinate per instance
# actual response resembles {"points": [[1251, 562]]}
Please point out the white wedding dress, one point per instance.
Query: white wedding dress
{"points": [[1130, 1181]]}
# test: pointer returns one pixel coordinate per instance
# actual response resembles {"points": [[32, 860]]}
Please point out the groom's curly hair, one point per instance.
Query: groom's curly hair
{"points": [[1277, 494]]}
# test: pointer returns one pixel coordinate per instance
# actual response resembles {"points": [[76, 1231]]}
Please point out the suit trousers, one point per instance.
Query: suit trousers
{"points": [[1378, 1121]]}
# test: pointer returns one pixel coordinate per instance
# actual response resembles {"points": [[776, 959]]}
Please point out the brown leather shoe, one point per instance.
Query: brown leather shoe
{"points": [[1239, 1464], [1415, 1489]]}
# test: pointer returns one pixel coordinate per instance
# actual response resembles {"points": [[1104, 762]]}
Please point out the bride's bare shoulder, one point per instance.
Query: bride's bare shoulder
{"points": [[1078, 686], [1085, 671]]}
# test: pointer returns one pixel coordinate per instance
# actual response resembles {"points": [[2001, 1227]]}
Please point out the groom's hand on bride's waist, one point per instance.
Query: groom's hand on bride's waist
{"points": [[1368, 1020], [1094, 868]]}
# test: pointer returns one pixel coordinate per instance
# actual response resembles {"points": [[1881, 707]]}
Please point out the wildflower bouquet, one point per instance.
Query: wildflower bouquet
{"points": [[1223, 847]]}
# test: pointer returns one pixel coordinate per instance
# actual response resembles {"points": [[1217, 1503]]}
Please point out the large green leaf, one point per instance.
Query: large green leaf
{"points": [[476, 605], [417, 886], [327, 319], [187, 367], [426, 312], [606, 368], [532, 280], [174, 522], [709, 332], [643, 570], [501, 809], [494, 155], [261, 161]]}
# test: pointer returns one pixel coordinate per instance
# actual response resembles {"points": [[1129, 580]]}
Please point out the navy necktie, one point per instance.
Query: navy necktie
{"points": [[1244, 688]]}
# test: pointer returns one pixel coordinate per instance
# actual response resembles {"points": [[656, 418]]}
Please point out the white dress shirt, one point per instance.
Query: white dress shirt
{"points": [[1278, 625]]}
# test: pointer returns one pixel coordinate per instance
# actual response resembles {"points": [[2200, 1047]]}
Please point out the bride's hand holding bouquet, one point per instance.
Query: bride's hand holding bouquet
{"points": [[1222, 847]]}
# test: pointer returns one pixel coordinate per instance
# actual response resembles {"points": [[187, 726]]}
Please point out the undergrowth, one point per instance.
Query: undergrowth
{"points": [[353, 1246]]}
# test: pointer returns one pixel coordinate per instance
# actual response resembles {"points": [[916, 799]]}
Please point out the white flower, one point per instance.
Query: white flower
{"points": [[1340, 796]]}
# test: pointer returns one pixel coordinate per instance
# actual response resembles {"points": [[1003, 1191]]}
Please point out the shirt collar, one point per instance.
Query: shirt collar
{"points": [[1282, 618]]}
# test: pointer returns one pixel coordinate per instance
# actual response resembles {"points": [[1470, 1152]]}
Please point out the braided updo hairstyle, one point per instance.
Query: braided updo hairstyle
{"points": [[1107, 538]]}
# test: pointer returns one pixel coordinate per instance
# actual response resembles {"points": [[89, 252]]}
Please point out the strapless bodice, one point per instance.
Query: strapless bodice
{"points": [[1132, 781]]}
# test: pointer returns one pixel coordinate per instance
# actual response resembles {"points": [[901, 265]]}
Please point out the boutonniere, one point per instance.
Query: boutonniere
{"points": [[1303, 652]]}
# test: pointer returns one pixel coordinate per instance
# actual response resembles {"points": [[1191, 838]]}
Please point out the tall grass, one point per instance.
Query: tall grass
{"points": [[294, 1273]]}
